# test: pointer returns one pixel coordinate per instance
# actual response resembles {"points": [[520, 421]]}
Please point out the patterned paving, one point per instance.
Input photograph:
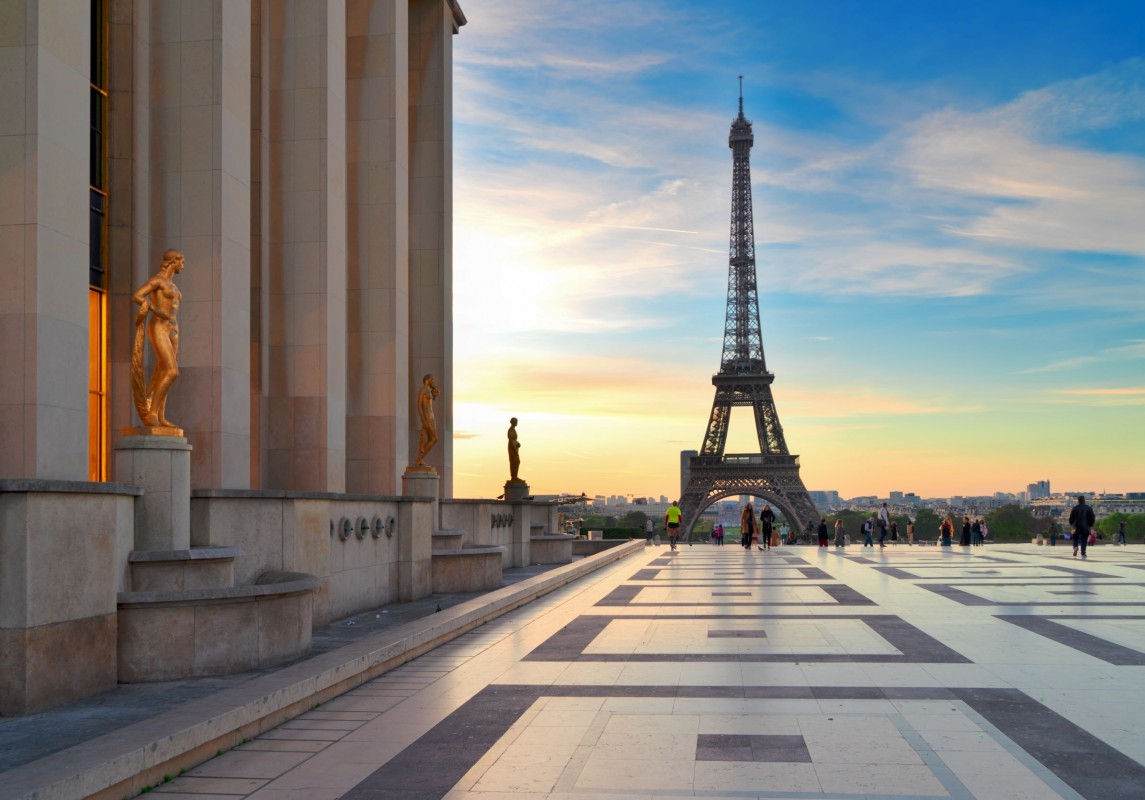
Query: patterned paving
{"points": [[912, 672]]}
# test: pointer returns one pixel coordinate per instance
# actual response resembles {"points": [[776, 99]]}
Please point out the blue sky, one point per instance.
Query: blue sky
{"points": [[949, 202]]}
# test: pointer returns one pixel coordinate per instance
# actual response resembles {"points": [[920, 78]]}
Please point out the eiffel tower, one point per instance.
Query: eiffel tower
{"points": [[743, 380]]}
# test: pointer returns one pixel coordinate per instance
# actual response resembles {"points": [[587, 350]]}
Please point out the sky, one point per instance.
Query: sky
{"points": [[949, 206]]}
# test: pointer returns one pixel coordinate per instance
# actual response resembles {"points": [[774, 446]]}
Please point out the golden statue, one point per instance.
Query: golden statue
{"points": [[161, 297], [427, 438], [514, 451]]}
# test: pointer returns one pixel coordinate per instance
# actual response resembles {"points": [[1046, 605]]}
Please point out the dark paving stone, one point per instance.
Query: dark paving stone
{"points": [[895, 572], [914, 646], [845, 595], [620, 596], [645, 575], [737, 634], [731, 594], [1092, 768], [1087, 643], [723, 740], [815, 574]]}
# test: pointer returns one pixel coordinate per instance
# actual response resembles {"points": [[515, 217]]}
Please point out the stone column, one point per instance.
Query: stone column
{"points": [[431, 26], [377, 404], [305, 231], [194, 195], [44, 124]]}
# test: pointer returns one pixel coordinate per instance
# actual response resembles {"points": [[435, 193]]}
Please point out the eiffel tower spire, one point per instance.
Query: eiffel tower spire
{"points": [[743, 379]]}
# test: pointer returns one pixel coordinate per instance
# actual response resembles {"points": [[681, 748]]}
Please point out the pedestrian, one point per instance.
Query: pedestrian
{"points": [[884, 522], [783, 534], [1052, 532], [648, 527], [822, 532], [946, 532], [718, 534], [894, 532], [976, 532], [1121, 533], [965, 540], [985, 531], [766, 520], [910, 532], [840, 534], [672, 523], [747, 526], [1082, 519], [868, 528]]}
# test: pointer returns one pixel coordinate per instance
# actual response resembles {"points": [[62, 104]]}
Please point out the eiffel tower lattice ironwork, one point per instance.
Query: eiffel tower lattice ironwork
{"points": [[743, 380]]}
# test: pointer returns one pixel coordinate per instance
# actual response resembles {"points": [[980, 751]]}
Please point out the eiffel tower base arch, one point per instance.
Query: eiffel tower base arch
{"points": [[775, 478]]}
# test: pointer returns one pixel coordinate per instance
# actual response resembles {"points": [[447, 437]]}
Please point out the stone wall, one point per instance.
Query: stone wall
{"points": [[363, 548], [63, 558], [501, 524]]}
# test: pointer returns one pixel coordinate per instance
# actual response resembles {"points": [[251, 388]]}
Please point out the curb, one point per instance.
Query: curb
{"points": [[122, 763]]}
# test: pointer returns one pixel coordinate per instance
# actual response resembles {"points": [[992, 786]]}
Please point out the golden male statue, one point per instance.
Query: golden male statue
{"points": [[158, 302], [427, 437]]}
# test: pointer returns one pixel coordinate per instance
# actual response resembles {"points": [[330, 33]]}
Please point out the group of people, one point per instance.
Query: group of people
{"points": [[763, 535]]}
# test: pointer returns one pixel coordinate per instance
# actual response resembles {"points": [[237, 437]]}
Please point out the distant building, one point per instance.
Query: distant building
{"points": [[895, 497], [826, 500], [1038, 490]]}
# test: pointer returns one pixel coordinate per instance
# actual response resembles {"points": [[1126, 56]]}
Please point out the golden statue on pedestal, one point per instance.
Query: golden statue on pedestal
{"points": [[514, 452], [427, 437], [159, 296]]}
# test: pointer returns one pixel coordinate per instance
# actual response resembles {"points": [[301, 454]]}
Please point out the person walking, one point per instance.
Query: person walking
{"points": [[965, 540], [1082, 519], [883, 522], [766, 520], [822, 532], [946, 532], [1121, 533], [976, 532], [840, 534], [783, 534], [672, 523], [894, 532], [718, 534], [910, 532], [867, 530], [649, 525], [746, 526], [985, 531]]}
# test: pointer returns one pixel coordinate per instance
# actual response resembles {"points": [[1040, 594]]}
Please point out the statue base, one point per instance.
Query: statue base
{"points": [[152, 430], [516, 490], [161, 466], [423, 482]]}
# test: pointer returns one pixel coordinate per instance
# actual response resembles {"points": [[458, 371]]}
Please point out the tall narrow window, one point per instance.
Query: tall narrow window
{"points": [[97, 252]]}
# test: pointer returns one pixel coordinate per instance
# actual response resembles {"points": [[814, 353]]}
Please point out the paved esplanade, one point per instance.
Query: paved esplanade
{"points": [[991, 672]]}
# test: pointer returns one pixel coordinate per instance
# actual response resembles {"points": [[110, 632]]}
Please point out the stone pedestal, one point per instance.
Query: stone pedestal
{"points": [[516, 490], [422, 482], [161, 466]]}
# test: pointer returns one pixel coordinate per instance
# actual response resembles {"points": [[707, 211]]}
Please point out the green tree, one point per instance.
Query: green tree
{"points": [[1134, 526], [1012, 523], [633, 519], [926, 523]]}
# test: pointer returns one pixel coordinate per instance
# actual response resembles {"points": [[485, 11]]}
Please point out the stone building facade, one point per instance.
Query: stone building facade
{"points": [[298, 153]]}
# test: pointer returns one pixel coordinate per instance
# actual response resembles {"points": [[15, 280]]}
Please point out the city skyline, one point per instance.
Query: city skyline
{"points": [[946, 201]]}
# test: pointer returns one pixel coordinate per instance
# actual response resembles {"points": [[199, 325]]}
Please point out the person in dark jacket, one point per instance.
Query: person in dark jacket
{"points": [[822, 533], [1082, 519], [766, 522]]}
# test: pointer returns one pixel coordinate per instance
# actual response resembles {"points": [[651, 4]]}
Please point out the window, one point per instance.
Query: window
{"points": [[97, 251]]}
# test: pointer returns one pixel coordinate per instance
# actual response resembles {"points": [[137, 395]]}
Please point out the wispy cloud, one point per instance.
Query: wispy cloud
{"points": [[1134, 350]]}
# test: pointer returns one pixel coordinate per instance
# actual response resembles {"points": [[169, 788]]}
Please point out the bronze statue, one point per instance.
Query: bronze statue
{"points": [[514, 451], [427, 438], [161, 297]]}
